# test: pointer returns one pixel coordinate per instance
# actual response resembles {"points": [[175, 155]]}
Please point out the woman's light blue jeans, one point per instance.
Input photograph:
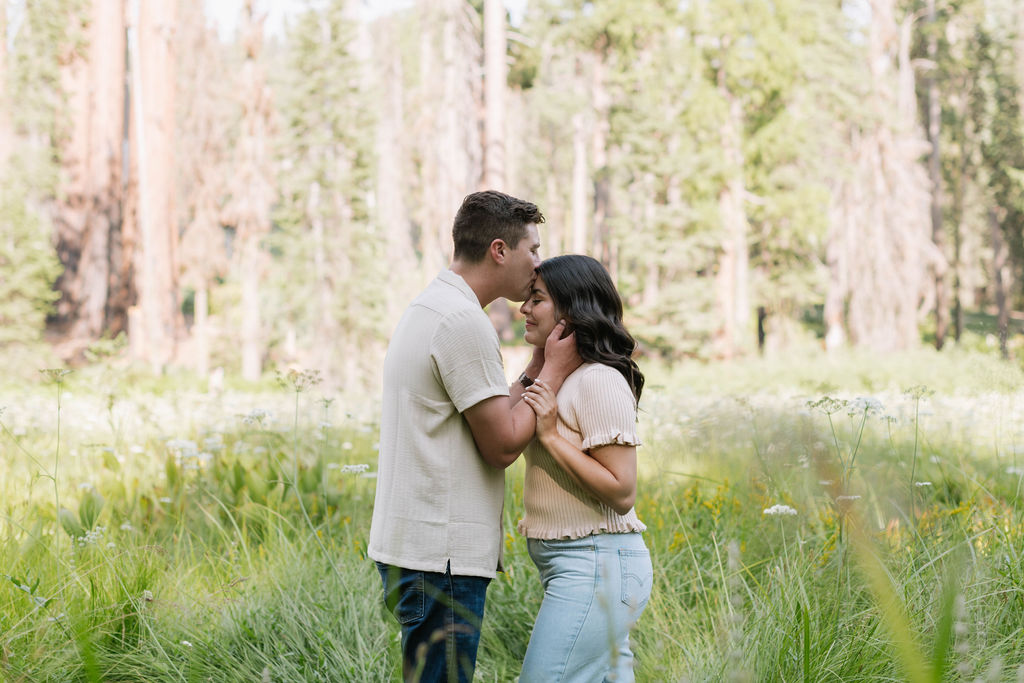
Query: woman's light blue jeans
{"points": [[595, 588]]}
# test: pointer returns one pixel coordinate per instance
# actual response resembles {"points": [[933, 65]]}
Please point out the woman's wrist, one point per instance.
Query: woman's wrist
{"points": [[548, 437], [533, 371]]}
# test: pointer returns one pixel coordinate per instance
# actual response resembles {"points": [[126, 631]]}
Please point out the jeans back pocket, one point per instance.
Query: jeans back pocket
{"points": [[637, 577]]}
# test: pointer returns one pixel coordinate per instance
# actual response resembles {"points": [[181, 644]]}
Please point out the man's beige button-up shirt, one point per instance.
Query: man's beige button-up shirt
{"points": [[437, 500]]}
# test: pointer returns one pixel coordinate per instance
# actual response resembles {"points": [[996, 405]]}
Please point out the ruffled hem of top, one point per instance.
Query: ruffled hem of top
{"points": [[608, 439], [550, 534]]}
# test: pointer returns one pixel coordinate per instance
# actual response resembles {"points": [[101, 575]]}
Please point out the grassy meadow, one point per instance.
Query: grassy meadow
{"points": [[810, 519]]}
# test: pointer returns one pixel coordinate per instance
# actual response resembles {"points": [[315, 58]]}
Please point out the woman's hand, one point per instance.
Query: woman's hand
{"points": [[540, 397]]}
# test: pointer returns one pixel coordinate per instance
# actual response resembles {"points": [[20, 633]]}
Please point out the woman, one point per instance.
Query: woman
{"points": [[582, 531]]}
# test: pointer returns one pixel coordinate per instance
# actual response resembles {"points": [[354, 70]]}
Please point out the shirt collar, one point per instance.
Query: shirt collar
{"points": [[450, 277]]}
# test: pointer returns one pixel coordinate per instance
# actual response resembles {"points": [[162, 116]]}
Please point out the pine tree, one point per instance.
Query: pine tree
{"points": [[32, 99], [329, 269]]}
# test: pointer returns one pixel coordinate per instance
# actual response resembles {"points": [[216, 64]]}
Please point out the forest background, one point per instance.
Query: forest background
{"points": [[757, 176], [800, 201]]}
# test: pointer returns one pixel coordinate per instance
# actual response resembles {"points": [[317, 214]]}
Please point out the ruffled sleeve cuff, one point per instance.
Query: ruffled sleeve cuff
{"points": [[616, 438]]}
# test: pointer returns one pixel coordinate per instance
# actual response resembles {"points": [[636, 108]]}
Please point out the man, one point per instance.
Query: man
{"points": [[449, 427]]}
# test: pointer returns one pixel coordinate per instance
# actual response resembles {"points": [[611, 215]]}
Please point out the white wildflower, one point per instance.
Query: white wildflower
{"points": [[1019, 471], [165, 499], [842, 498], [333, 466], [256, 417], [126, 526], [137, 450], [779, 509], [182, 448], [825, 482], [356, 469], [922, 483], [147, 595], [186, 643], [862, 405], [213, 443], [347, 446]]}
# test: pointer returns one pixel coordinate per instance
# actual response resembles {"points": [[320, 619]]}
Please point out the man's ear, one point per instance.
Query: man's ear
{"points": [[498, 250]]}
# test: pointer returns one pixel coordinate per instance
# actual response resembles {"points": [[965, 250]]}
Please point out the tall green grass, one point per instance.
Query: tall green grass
{"points": [[180, 536]]}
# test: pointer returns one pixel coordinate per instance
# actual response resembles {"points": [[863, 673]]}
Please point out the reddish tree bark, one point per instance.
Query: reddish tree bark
{"points": [[88, 213], [156, 321]]}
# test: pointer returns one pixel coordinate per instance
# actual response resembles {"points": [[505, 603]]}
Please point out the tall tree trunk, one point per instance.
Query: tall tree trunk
{"points": [[153, 99], [201, 331], [202, 130], [495, 77], [652, 277], [451, 98], [732, 282], [935, 176], [251, 329], [88, 213], [252, 191], [392, 165], [958, 231], [460, 150], [836, 258], [879, 240], [1000, 279], [601, 105], [554, 227], [432, 213], [579, 184]]}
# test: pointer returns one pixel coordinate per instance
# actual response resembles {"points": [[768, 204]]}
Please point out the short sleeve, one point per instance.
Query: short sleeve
{"points": [[605, 409], [468, 359]]}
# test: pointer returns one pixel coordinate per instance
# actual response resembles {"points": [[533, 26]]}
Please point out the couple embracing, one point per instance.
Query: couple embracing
{"points": [[450, 425]]}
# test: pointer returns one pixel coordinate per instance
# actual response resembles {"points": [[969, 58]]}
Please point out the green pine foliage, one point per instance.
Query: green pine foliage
{"points": [[50, 31], [28, 268], [672, 70], [328, 251]]}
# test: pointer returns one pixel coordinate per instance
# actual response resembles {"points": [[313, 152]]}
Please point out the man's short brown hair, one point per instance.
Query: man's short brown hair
{"points": [[489, 215]]}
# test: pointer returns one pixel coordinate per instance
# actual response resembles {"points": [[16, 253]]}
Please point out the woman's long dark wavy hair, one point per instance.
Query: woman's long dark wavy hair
{"points": [[585, 296]]}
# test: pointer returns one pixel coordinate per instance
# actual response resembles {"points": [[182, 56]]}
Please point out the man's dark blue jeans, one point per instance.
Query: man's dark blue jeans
{"points": [[440, 616]]}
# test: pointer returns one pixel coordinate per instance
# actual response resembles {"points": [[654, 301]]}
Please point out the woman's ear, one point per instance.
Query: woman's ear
{"points": [[569, 328]]}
